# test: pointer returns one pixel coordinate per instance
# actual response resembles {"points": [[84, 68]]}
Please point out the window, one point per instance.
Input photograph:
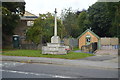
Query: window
{"points": [[88, 39], [30, 23]]}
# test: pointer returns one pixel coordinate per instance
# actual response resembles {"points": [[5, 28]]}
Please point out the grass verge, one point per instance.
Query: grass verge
{"points": [[37, 53], [76, 48]]}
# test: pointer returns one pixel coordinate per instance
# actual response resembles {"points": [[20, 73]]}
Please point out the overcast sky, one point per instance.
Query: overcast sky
{"points": [[44, 6]]}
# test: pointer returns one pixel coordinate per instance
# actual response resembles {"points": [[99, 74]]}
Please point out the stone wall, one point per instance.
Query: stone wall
{"points": [[30, 46], [109, 43], [89, 48]]}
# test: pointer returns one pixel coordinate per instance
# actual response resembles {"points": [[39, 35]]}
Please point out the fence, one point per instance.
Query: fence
{"points": [[72, 42]]}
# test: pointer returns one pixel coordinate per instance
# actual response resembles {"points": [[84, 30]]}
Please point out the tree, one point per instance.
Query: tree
{"points": [[104, 18], [70, 22], [10, 16], [100, 21], [42, 30], [15, 7], [11, 12], [9, 21], [114, 13], [82, 21]]}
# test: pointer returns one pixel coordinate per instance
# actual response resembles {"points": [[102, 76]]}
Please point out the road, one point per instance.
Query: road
{"points": [[39, 70]]}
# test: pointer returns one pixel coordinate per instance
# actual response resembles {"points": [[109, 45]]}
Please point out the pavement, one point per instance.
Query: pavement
{"points": [[101, 58], [105, 61], [107, 52]]}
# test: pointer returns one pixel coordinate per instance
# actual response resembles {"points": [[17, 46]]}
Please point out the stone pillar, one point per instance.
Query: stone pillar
{"points": [[55, 38], [55, 27]]}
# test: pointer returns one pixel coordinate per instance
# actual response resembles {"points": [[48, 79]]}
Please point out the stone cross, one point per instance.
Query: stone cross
{"points": [[55, 27]]}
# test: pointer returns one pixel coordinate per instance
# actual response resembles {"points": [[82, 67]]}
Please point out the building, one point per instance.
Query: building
{"points": [[25, 22], [87, 38], [19, 38]]}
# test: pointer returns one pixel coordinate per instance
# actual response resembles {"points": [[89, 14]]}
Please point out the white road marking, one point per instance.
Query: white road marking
{"points": [[10, 64], [37, 74], [57, 76]]}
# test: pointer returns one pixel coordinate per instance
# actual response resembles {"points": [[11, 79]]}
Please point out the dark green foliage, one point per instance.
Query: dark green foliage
{"points": [[9, 21], [70, 23], [10, 15], [99, 18], [104, 18], [114, 13], [16, 7], [83, 22]]}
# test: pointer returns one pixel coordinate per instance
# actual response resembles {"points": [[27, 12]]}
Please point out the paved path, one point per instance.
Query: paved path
{"points": [[100, 58], [107, 52], [79, 51], [89, 63]]}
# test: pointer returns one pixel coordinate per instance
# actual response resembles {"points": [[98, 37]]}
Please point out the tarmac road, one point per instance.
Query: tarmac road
{"points": [[38, 70]]}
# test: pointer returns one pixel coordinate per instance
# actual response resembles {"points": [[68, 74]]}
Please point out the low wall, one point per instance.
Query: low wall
{"points": [[30, 46], [89, 48], [109, 43], [109, 46]]}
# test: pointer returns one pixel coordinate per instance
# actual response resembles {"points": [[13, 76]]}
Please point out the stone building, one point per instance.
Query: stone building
{"points": [[88, 41], [26, 21], [87, 38], [18, 40]]}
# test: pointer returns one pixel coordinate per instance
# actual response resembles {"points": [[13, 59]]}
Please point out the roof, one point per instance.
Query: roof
{"points": [[13, 0], [28, 16], [88, 30]]}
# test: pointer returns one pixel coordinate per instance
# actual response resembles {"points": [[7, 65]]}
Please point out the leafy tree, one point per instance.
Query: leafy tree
{"points": [[104, 18], [70, 22], [9, 21], [15, 7], [114, 13], [100, 21], [42, 30], [10, 16], [82, 21]]}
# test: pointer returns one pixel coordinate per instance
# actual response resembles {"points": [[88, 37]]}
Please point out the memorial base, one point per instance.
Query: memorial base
{"points": [[55, 47], [55, 39]]}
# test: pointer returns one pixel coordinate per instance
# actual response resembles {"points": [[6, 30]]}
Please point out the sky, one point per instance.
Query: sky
{"points": [[44, 6]]}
